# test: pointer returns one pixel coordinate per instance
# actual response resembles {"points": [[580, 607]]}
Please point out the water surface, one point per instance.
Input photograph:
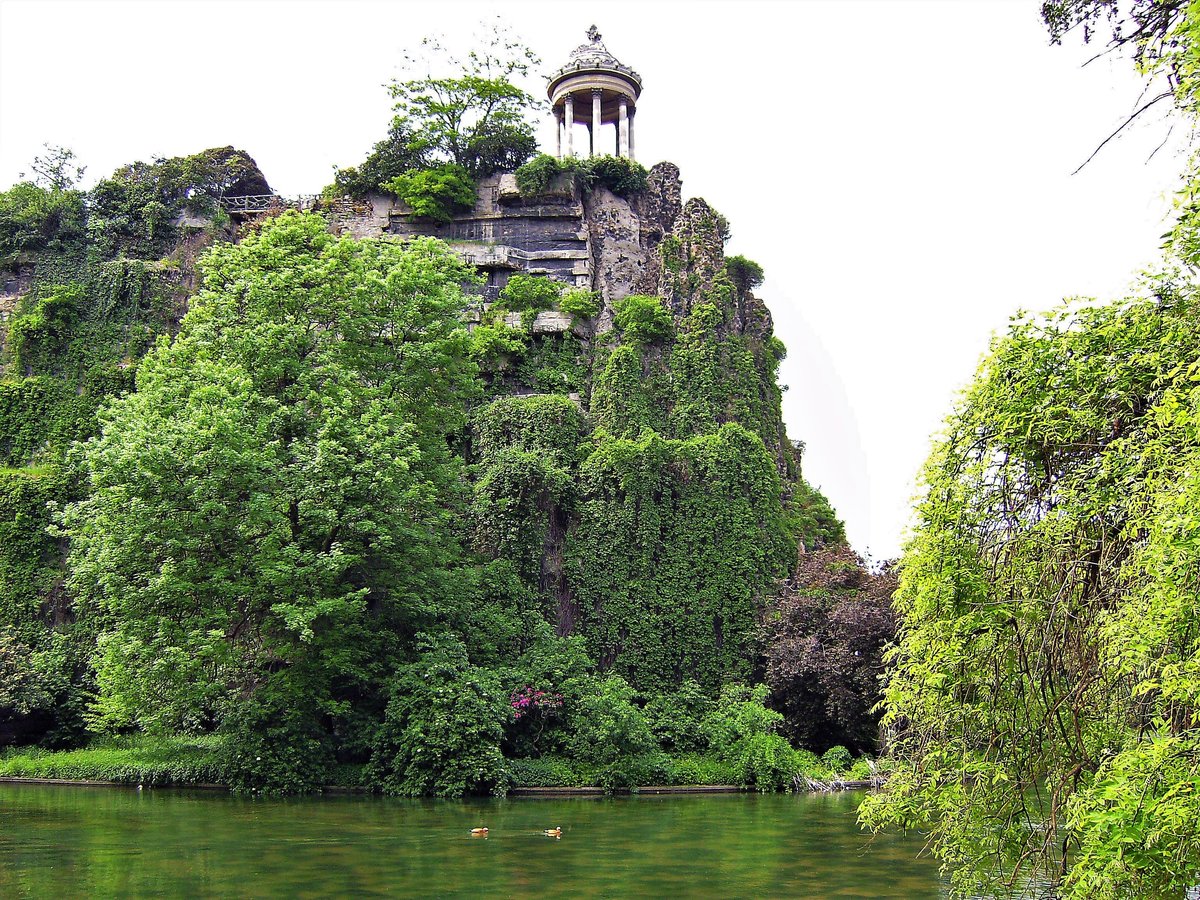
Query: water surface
{"points": [[73, 841]]}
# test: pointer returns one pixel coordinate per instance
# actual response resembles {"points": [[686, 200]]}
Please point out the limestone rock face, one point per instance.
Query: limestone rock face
{"points": [[661, 204], [618, 253], [693, 260]]}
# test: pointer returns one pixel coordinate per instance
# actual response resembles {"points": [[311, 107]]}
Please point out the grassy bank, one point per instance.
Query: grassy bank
{"points": [[183, 761], [136, 759]]}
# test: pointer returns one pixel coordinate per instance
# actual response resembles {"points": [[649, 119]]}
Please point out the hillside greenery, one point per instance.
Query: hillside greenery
{"points": [[302, 527]]}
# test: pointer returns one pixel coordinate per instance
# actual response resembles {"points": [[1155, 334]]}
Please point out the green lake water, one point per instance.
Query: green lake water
{"points": [[115, 842]]}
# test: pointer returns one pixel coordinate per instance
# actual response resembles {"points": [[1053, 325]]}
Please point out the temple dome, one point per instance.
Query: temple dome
{"points": [[594, 57]]}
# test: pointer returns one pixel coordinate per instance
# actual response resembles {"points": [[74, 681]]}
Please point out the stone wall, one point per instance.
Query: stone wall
{"points": [[592, 239]]}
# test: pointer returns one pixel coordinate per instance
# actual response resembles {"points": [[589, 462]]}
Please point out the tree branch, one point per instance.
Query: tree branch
{"points": [[1141, 109]]}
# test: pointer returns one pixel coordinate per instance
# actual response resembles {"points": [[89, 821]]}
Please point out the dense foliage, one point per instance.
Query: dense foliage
{"points": [[478, 116], [34, 218], [388, 159], [286, 460], [1045, 676], [823, 641], [1045, 697], [136, 209], [619, 174], [345, 524], [435, 194]]}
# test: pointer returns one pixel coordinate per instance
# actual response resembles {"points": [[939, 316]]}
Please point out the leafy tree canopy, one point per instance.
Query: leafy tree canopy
{"points": [[1045, 692], [275, 502], [478, 116]]}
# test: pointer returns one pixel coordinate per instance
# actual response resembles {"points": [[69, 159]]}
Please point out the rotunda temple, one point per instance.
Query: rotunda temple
{"points": [[597, 89]]}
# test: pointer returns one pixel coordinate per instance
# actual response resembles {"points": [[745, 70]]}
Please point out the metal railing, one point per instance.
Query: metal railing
{"points": [[251, 204]]}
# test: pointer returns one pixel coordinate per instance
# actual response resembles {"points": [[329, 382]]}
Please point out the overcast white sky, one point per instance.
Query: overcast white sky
{"points": [[900, 169]]}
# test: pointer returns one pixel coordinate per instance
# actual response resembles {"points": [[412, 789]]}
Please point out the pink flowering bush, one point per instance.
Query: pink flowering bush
{"points": [[534, 710]]}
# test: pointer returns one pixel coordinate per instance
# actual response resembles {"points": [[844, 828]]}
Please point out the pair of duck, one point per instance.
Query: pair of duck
{"points": [[549, 832]]}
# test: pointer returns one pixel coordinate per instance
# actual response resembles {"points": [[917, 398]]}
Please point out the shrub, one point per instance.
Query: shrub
{"points": [[605, 723], [824, 643], [746, 274], [546, 771], [392, 157], [696, 768], [493, 347], [580, 304], [535, 176], [37, 333], [837, 759], [134, 208], [435, 194], [675, 718], [619, 174], [275, 744], [629, 772], [861, 770], [643, 319], [443, 726], [33, 218], [741, 730], [530, 293]]}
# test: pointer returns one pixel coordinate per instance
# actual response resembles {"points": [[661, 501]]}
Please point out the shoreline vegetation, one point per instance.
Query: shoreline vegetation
{"points": [[198, 762]]}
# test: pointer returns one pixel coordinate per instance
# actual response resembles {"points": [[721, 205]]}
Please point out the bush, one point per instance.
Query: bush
{"points": [[435, 194], [493, 347], [580, 304], [823, 641], [643, 319], [837, 759], [36, 335], [696, 768], [443, 726], [675, 718], [742, 731], [861, 770], [392, 157], [532, 293], [606, 725], [546, 771], [275, 744], [33, 218], [746, 274], [535, 176], [621, 175], [134, 208]]}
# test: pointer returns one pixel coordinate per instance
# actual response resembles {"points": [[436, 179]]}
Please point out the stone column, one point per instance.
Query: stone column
{"points": [[558, 126], [623, 129], [569, 113], [596, 92], [632, 116]]}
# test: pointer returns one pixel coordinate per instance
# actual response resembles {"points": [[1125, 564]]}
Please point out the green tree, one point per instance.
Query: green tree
{"points": [[1045, 696], [435, 194], [389, 158], [56, 170], [478, 117], [34, 218], [275, 504]]}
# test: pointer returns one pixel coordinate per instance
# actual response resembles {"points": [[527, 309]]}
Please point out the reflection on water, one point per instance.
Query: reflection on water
{"points": [[65, 842]]}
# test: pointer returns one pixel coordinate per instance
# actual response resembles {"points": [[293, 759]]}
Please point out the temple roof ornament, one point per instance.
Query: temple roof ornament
{"points": [[594, 56]]}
